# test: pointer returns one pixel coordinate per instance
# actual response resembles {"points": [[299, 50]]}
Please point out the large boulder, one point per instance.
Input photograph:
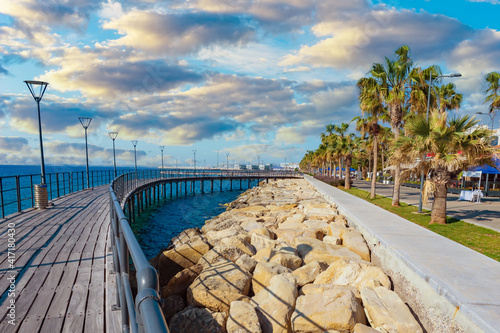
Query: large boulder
{"points": [[172, 305], [197, 320], [246, 262], [264, 272], [275, 304], [181, 281], [220, 253], [289, 235], [333, 309], [354, 241], [240, 243], [308, 273], [181, 256], [311, 249], [217, 286], [286, 256], [355, 273], [242, 318], [360, 328], [386, 312], [260, 242], [317, 225]]}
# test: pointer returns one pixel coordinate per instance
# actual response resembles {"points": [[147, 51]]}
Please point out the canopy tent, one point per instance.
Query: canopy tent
{"points": [[488, 168]]}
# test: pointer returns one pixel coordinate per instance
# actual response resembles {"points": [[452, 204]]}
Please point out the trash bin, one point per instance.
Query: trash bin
{"points": [[41, 196]]}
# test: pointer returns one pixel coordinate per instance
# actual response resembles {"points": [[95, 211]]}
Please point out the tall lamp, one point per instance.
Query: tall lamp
{"points": [[85, 121], [134, 142], [37, 89]]}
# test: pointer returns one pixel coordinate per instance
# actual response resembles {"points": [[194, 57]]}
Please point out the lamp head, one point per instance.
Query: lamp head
{"points": [[37, 89], [85, 121], [455, 74], [134, 142], [162, 147], [113, 135]]}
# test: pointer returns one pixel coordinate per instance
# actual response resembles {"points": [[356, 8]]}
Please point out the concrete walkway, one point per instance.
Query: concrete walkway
{"points": [[453, 283], [485, 214]]}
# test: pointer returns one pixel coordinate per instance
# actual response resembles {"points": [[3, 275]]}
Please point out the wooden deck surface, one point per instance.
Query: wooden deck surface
{"points": [[62, 268]]}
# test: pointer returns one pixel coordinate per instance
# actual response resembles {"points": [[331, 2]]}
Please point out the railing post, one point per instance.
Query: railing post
{"points": [[18, 194], [1, 198], [57, 183]]}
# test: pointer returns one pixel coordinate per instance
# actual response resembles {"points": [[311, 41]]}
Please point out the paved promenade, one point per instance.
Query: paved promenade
{"points": [[453, 283], [485, 214]]}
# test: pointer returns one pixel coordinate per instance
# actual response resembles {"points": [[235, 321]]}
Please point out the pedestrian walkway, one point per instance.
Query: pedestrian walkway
{"points": [[57, 275], [446, 283], [485, 214]]}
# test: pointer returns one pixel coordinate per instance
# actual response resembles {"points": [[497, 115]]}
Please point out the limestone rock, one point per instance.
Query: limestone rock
{"points": [[312, 288], [282, 207], [260, 242], [341, 220], [325, 214], [182, 256], [336, 230], [217, 286], [286, 256], [355, 273], [263, 273], [333, 309], [311, 249], [239, 243], [387, 312], [354, 241], [262, 231], [289, 235], [308, 273], [197, 320], [295, 217], [246, 262], [181, 281], [214, 237], [332, 240], [317, 225], [275, 304], [220, 253], [242, 318], [360, 328]]}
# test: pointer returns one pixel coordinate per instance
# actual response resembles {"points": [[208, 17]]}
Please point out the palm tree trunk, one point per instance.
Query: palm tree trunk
{"points": [[369, 162], [347, 185], [340, 168], [382, 157], [397, 175], [438, 215], [375, 164]]}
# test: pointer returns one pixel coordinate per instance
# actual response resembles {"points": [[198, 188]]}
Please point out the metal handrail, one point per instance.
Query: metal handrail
{"points": [[17, 194], [145, 314]]}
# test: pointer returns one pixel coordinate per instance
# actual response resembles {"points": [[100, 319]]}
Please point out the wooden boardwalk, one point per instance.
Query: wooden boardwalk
{"points": [[62, 267]]}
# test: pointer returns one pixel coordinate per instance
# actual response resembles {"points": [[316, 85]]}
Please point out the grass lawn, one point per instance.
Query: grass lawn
{"points": [[483, 240]]}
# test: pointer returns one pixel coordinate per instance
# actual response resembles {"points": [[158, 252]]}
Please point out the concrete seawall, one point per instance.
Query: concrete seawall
{"points": [[451, 288]]}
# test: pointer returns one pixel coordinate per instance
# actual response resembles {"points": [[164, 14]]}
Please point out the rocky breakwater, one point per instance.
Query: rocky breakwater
{"points": [[280, 259]]}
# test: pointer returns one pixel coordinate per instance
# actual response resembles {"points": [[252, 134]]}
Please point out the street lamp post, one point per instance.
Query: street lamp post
{"points": [[161, 148], [113, 136], [227, 161], [194, 161], [32, 86], [427, 117], [491, 115], [85, 121], [134, 142]]}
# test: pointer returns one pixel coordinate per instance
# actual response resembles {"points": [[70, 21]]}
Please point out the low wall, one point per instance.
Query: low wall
{"points": [[449, 287]]}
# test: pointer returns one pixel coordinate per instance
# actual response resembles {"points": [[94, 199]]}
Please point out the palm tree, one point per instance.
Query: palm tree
{"points": [[370, 101], [394, 80], [454, 144], [448, 98], [493, 92]]}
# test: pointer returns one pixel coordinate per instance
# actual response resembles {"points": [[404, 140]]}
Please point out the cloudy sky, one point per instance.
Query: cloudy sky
{"points": [[244, 77]]}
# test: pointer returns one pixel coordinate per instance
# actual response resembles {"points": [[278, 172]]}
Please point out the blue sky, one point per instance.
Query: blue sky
{"points": [[244, 77]]}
